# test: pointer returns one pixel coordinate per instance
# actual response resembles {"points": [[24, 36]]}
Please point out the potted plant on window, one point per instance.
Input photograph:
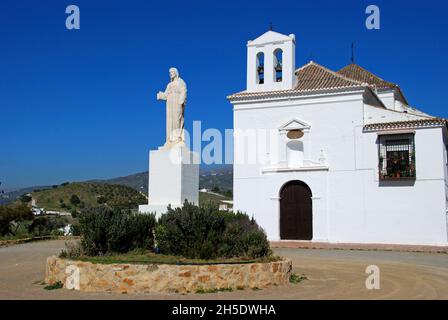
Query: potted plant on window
{"points": [[396, 166]]}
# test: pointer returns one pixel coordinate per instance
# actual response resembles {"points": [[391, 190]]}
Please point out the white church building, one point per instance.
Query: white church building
{"points": [[347, 161]]}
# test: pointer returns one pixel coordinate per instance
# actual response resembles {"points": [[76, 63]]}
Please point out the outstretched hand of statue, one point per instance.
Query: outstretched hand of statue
{"points": [[161, 95]]}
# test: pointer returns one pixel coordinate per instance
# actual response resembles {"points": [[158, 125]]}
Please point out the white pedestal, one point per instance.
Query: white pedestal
{"points": [[173, 178]]}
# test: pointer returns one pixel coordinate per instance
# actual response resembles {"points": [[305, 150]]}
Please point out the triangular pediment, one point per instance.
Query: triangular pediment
{"points": [[270, 37], [294, 124]]}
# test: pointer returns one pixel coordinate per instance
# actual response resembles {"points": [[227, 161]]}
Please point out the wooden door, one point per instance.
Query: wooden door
{"points": [[296, 212]]}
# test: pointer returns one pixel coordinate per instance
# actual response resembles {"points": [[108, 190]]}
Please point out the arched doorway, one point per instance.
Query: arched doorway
{"points": [[296, 211]]}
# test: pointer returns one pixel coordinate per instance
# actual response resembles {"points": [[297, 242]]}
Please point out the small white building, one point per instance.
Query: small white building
{"points": [[37, 211], [340, 156]]}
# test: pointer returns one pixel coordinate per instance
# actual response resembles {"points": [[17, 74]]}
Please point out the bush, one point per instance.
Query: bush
{"points": [[101, 200], [12, 217], [43, 226], [75, 230], [105, 230], [74, 213], [207, 233], [56, 233], [54, 286], [25, 198], [74, 200]]}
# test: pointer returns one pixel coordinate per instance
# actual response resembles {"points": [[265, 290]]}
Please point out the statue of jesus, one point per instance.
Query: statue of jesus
{"points": [[176, 98]]}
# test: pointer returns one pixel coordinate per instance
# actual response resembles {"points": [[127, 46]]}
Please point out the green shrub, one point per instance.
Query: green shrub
{"points": [[207, 233], [105, 230], [75, 230], [43, 226], [74, 200], [74, 213], [294, 278], [25, 198], [12, 217], [101, 200], [54, 286], [56, 233]]}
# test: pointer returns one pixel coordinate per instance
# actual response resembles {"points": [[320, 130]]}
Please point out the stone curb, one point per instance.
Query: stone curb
{"points": [[163, 278]]}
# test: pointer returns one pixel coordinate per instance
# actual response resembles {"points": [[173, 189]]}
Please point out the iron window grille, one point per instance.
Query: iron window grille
{"points": [[397, 157]]}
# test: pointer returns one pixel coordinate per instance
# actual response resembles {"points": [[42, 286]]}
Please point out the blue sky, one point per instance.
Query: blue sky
{"points": [[81, 104]]}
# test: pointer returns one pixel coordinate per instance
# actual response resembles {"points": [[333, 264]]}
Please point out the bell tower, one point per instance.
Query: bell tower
{"points": [[271, 62]]}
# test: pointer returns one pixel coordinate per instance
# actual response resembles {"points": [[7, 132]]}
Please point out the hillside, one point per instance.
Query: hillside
{"points": [[211, 177], [11, 196], [207, 197], [218, 176], [94, 194], [89, 194]]}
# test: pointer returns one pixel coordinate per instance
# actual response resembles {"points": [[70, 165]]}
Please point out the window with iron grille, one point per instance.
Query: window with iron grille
{"points": [[396, 157]]}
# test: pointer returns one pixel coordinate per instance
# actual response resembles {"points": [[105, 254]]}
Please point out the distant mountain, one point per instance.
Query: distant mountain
{"points": [[210, 177], [11, 196]]}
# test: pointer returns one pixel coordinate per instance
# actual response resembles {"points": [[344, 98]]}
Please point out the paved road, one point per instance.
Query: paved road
{"points": [[332, 274]]}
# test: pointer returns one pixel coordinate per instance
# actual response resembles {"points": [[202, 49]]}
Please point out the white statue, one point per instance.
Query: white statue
{"points": [[176, 98]]}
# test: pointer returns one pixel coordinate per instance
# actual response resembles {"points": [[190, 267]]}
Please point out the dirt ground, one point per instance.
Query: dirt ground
{"points": [[331, 274]]}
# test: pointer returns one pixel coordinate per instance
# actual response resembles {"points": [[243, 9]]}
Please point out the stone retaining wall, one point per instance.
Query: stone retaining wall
{"points": [[86, 276]]}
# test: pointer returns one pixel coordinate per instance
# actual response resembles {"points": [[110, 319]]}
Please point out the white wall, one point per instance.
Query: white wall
{"points": [[387, 98], [332, 120], [391, 212], [349, 202], [380, 115]]}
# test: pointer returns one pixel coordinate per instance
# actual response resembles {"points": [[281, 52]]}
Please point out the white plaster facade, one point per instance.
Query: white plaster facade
{"points": [[338, 158]]}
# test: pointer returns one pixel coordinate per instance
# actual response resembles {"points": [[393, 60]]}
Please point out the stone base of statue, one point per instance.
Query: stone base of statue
{"points": [[173, 178]]}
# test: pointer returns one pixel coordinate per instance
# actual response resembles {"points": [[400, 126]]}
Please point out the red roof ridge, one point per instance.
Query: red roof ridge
{"points": [[332, 72], [368, 72]]}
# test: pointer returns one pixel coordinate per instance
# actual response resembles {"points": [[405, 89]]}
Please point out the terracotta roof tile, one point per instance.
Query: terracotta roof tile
{"points": [[432, 122], [312, 77], [353, 71], [358, 73]]}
